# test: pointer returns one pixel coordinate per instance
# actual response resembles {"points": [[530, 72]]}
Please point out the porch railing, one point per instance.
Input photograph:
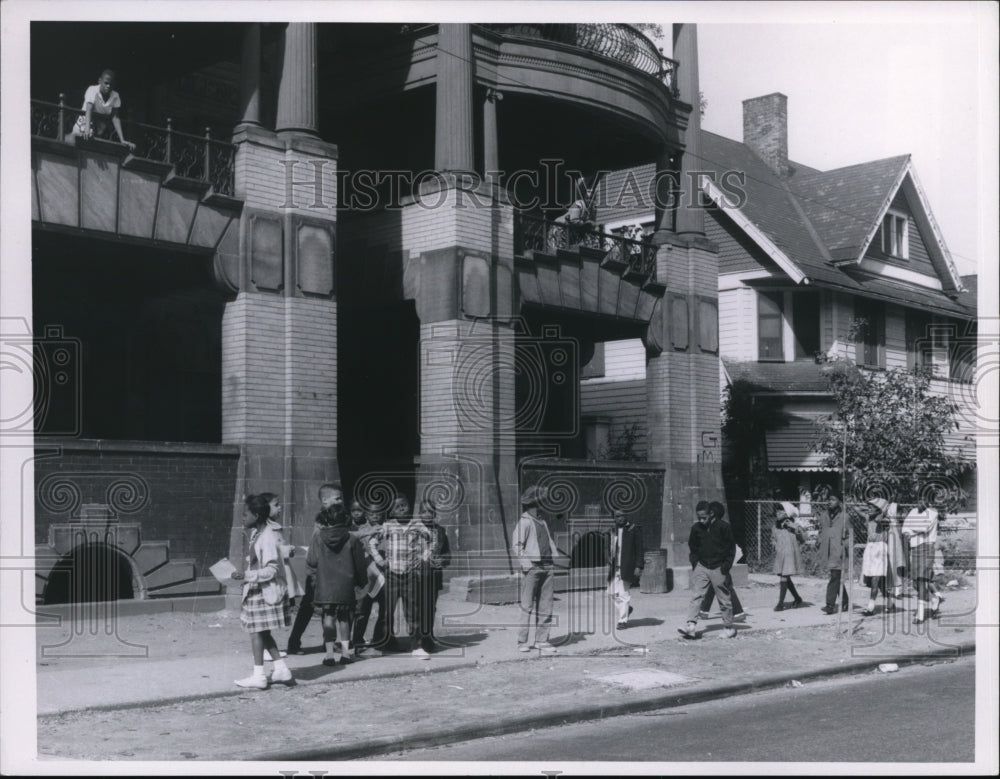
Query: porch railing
{"points": [[620, 42], [198, 157], [544, 235]]}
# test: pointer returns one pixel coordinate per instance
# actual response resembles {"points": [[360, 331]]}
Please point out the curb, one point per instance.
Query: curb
{"points": [[201, 696], [562, 716]]}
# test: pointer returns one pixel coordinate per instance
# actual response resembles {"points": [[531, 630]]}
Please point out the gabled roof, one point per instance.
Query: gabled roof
{"points": [[843, 204]]}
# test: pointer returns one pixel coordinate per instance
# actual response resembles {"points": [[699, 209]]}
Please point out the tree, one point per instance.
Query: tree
{"points": [[888, 434]]}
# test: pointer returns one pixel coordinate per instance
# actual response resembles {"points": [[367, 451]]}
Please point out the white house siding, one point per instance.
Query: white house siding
{"points": [[737, 322], [625, 359], [619, 395], [621, 402]]}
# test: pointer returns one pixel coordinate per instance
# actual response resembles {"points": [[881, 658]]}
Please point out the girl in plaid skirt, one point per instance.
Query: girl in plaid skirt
{"points": [[265, 594]]}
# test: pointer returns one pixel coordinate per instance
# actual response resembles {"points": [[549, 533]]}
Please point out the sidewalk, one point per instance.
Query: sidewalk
{"points": [[184, 666]]}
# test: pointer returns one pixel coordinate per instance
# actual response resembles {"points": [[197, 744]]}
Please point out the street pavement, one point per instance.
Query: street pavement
{"points": [[98, 683], [916, 715]]}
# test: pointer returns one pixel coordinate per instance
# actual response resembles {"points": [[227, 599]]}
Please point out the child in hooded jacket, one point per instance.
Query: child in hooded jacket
{"points": [[336, 560]]}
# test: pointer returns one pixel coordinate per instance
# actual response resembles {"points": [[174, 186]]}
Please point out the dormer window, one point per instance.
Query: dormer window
{"points": [[895, 238]]}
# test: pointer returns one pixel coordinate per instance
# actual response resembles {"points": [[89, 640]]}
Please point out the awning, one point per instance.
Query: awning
{"points": [[790, 448]]}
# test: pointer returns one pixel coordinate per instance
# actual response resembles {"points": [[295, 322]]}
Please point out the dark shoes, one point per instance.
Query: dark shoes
{"points": [[829, 610], [295, 649], [688, 632], [780, 607], [798, 604], [867, 613]]}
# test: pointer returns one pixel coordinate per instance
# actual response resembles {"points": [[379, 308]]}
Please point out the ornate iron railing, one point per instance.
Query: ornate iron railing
{"points": [[620, 42], [198, 157], [544, 235]]}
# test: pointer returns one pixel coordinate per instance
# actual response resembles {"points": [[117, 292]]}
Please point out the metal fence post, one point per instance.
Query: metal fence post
{"points": [[758, 536]]}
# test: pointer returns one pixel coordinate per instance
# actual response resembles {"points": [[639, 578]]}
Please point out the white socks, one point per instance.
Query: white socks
{"points": [[258, 670], [921, 605], [871, 605], [279, 665]]}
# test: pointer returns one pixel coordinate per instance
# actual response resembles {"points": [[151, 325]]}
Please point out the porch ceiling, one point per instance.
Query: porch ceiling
{"points": [[584, 283]]}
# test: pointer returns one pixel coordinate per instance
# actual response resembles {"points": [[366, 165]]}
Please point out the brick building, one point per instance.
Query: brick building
{"points": [[305, 272]]}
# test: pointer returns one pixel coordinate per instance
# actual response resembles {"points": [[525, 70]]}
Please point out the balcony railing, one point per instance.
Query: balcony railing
{"points": [[620, 42], [544, 235], [198, 157]]}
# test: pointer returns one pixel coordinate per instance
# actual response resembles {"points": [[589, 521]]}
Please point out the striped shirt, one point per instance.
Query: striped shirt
{"points": [[406, 545]]}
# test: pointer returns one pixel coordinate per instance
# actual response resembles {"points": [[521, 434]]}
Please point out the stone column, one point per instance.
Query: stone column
{"points": [[682, 367], [297, 94], [250, 75], [690, 217], [491, 153], [667, 190], [454, 149]]}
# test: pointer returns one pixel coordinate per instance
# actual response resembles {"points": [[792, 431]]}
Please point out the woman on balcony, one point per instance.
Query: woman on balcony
{"points": [[100, 105]]}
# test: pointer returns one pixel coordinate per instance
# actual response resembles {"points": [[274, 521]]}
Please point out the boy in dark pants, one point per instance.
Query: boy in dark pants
{"points": [[374, 593], [719, 511], [712, 550], [407, 552], [433, 573], [834, 550]]}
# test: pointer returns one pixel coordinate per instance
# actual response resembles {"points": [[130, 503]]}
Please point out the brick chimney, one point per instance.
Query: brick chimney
{"points": [[765, 130]]}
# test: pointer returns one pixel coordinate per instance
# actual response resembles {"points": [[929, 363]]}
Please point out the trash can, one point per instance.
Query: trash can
{"points": [[654, 573]]}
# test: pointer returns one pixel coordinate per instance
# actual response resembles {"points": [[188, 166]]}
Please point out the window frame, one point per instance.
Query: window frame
{"points": [[895, 235], [799, 310], [865, 308], [777, 297]]}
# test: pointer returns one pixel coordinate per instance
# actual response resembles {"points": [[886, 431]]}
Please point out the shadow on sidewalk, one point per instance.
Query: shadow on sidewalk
{"points": [[310, 673], [642, 622]]}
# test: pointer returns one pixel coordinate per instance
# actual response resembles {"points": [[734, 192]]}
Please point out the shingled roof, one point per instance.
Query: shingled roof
{"points": [[779, 377], [842, 204]]}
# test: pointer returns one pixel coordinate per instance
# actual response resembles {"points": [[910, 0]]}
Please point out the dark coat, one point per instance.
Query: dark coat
{"points": [[632, 554], [337, 561], [712, 545], [440, 554], [832, 537]]}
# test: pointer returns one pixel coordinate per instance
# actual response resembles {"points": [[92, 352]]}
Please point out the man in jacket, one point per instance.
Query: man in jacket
{"points": [[712, 550], [534, 546], [625, 563], [833, 549]]}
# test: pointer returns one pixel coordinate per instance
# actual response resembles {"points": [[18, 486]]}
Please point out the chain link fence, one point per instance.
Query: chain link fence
{"points": [[754, 525]]}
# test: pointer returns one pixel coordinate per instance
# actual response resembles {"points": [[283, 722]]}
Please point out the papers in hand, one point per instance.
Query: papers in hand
{"points": [[223, 570], [376, 581]]}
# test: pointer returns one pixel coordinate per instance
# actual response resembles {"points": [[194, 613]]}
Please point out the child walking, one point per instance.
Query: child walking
{"points": [[787, 555], [336, 560], [920, 527], [878, 563], [265, 595]]}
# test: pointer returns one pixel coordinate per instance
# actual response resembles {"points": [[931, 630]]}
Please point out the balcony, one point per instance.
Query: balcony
{"points": [[198, 158], [619, 42], [534, 235]]}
